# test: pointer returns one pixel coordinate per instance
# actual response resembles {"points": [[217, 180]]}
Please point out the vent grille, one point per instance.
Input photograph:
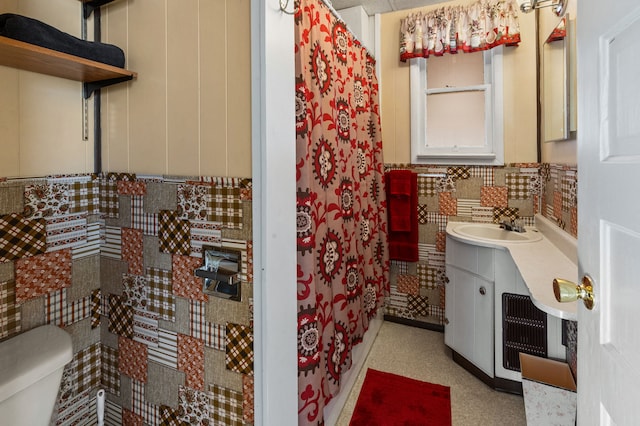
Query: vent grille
{"points": [[524, 329]]}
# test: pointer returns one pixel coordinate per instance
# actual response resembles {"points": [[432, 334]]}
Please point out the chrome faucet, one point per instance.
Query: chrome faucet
{"points": [[511, 225]]}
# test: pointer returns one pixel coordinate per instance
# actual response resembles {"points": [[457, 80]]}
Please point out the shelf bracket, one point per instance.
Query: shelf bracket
{"points": [[89, 6], [90, 87]]}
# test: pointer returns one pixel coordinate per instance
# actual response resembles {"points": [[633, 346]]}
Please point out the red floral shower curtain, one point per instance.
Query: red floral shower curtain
{"points": [[343, 265]]}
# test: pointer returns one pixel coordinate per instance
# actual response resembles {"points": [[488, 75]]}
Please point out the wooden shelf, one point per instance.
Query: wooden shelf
{"points": [[26, 56]]}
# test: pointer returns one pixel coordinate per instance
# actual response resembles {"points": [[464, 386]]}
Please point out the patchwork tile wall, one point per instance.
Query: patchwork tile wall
{"points": [[49, 273], [475, 194], [560, 200], [110, 259], [472, 194], [560, 204], [458, 193]]}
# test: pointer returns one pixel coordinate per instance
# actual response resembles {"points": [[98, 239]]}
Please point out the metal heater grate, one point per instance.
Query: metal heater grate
{"points": [[524, 329]]}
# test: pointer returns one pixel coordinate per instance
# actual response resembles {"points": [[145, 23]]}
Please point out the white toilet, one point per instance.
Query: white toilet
{"points": [[31, 366]]}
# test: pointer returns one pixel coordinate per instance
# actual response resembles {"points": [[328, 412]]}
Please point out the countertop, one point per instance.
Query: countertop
{"points": [[539, 263]]}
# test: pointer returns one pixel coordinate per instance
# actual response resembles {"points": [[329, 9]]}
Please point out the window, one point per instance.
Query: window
{"points": [[456, 109]]}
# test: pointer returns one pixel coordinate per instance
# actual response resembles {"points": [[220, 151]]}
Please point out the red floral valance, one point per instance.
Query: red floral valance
{"points": [[478, 26]]}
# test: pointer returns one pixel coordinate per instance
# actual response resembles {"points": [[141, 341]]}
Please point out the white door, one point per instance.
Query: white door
{"points": [[609, 205]]}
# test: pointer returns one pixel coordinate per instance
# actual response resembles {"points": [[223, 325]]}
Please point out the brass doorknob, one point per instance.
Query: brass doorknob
{"points": [[568, 291]]}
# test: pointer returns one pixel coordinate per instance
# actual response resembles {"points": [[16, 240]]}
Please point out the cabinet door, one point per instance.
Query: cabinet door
{"points": [[469, 311], [459, 294]]}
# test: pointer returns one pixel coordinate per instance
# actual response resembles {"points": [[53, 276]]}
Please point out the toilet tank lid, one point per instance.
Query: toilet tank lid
{"points": [[31, 356]]}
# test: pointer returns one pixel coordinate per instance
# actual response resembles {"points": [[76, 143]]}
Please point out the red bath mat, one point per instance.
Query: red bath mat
{"points": [[387, 399]]}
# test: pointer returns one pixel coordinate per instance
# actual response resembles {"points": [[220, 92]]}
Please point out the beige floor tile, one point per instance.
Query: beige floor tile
{"points": [[422, 355]]}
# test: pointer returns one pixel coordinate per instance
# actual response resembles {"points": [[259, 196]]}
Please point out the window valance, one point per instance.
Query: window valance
{"points": [[477, 26]]}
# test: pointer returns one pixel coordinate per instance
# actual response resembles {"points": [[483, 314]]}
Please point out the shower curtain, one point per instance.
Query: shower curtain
{"points": [[343, 260]]}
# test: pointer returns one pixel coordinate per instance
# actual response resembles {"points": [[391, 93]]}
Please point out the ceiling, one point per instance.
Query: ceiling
{"points": [[381, 6]]}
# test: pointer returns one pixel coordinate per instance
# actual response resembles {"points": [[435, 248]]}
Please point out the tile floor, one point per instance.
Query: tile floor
{"points": [[421, 354]]}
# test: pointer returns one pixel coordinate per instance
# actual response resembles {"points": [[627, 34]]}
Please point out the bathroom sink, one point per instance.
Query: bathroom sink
{"points": [[492, 232]]}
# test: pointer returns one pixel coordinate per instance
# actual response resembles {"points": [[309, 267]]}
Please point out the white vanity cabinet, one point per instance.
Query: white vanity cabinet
{"points": [[479, 275], [469, 303]]}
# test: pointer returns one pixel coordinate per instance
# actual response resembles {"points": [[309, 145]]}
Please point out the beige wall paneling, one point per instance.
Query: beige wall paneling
{"points": [[213, 88], [239, 87], [51, 126], [183, 109], [115, 99], [147, 47], [563, 152], [519, 91], [188, 112], [520, 105], [50, 107], [395, 96], [45, 132], [9, 116], [9, 111]]}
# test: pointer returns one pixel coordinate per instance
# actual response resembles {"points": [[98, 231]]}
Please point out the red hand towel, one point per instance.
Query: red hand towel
{"points": [[400, 182], [402, 200], [399, 200], [400, 213]]}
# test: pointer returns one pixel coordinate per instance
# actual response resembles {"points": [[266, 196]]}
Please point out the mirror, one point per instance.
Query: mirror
{"points": [[558, 83]]}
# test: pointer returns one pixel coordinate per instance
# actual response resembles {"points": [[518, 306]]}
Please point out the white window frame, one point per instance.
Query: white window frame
{"points": [[493, 151]]}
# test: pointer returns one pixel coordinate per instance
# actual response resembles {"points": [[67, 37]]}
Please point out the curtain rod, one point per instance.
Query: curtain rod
{"points": [[285, 3]]}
